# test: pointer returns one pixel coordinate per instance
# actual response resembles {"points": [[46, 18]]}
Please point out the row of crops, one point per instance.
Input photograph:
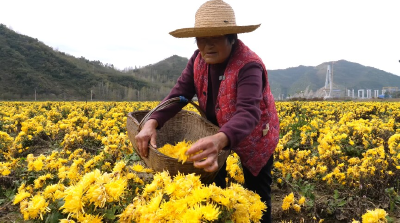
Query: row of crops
{"points": [[73, 162]]}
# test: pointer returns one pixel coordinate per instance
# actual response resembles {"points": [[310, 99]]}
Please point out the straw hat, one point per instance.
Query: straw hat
{"points": [[213, 18]]}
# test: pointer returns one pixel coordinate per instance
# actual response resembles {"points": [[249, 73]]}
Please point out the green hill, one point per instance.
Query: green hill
{"points": [[166, 71], [27, 65], [346, 75]]}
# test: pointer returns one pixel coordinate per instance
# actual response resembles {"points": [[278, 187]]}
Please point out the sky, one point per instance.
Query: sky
{"points": [[129, 33]]}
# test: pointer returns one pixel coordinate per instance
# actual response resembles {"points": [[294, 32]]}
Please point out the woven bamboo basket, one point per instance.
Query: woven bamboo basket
{"points": [[186, 125]]}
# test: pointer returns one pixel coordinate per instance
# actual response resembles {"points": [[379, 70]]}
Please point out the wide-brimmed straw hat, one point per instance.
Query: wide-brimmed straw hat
{"points": [[213, 18]]}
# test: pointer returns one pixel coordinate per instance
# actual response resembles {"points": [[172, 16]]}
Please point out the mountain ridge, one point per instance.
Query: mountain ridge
{"points": [[28, 67]]}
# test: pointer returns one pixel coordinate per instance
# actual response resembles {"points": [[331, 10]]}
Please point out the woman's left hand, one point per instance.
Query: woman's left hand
{"points": [[208, 149]]}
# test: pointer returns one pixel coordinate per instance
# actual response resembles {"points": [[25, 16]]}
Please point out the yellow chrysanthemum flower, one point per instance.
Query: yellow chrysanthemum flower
{"points": [[374, 216], [287, 202], [127, 215], [115, 189], [37, 206], [73, 200], [210, 212], [119, 167], [178, 151], [88, 218], [21, 196], [297, 207], [302, 200], [97, 195]]}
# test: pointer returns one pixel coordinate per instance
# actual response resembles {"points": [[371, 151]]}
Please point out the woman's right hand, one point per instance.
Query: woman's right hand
{"points": [[146, 135]]}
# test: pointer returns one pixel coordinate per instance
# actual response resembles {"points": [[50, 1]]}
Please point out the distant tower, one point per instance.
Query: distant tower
{"points": [[328, 82]]}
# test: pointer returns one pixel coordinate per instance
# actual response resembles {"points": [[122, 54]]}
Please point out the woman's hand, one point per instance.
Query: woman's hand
{"points": [[146, 135], [210, 147]]}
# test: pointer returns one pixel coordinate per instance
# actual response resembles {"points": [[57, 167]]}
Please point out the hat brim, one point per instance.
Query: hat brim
{"points": [[212, 31]]}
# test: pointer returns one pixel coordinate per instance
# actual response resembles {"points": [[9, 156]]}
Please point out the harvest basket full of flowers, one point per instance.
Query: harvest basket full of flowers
{"points": [[184, 126]]}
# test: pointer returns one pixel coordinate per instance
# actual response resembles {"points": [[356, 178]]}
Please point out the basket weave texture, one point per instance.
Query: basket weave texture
{"points": [[186, 125]]}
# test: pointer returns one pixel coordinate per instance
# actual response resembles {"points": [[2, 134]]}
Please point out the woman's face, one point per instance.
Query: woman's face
{"points": [[214, 49]]}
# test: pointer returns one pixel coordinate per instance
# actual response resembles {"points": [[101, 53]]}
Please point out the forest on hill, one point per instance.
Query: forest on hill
{"points": [[31, 70]]}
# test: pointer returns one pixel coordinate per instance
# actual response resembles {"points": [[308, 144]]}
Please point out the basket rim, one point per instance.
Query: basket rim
{"points": [[181, 111]]}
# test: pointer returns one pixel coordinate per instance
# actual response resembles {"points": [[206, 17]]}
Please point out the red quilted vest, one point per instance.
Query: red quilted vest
{"points": [[255, 150]]}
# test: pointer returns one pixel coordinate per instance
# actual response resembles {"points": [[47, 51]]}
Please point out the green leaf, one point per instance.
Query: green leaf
{"points": [[312, 197], [389, 219], [133, 157], [341, 203], [391, 206], [110, 216], [10, 193], [54, 217], [110, 213], [60, 202], [397, 199], [336, 194]]}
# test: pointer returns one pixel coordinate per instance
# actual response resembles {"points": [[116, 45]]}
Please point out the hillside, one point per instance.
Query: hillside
{"points": [[27, 65], [346, 75], [166, 71]]}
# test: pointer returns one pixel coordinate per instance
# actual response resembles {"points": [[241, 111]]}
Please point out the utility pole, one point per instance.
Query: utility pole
{"points": [[91, 95], [35, 94]]}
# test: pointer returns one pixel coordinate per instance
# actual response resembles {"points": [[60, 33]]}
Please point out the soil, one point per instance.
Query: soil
{"points": [[10, 213], [355, 207]]}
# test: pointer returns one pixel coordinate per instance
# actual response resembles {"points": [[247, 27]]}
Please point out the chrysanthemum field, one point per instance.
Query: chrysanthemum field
{"points": [[73, 162]]}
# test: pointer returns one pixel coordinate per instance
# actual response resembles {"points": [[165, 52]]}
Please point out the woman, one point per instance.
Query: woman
{"points": [[231, 84]]}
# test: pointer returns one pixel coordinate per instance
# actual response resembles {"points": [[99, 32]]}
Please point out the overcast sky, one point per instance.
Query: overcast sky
{"points": [[292, 33]]}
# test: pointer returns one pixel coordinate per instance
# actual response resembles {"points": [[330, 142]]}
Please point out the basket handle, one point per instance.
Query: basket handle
{"points": [[168, 103]]}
